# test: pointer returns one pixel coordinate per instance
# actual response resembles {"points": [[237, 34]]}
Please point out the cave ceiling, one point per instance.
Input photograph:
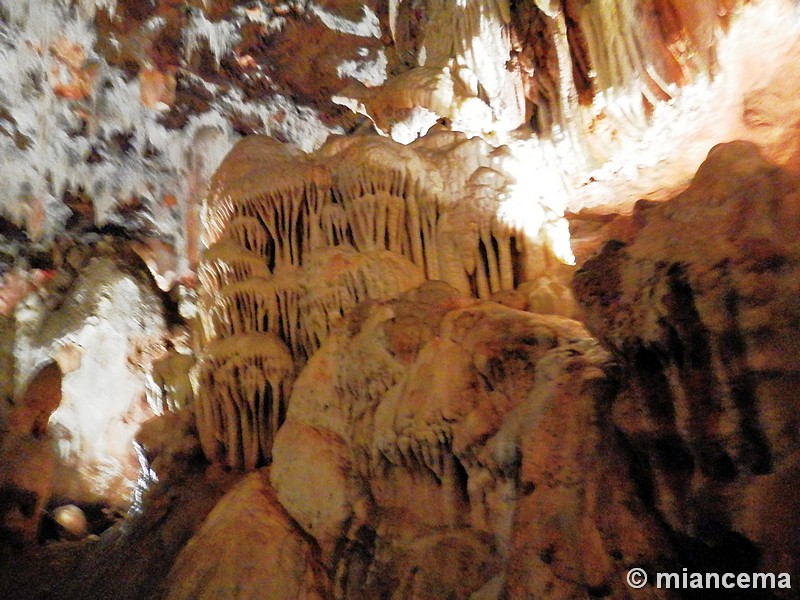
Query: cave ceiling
{"points": [[116, 113]]}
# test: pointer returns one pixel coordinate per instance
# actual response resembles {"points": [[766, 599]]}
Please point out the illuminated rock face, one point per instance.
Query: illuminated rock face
{"points": [[440, 203], [297, 241], [700, 305], [458, 72], [425, 442], [462, 444], [103, 331]]}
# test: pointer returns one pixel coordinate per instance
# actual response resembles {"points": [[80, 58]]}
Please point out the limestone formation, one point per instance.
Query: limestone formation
{"points": [[700, 304], [105, 328], [436, 202], [242, 388], [248, 548], [30, 412], [437, 412], [169, 386], [297, 241], [457, 72], [315, 256], [72, 521]]}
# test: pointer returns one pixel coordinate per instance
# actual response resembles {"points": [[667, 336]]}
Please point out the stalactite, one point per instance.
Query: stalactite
{"points": [[250, 234], [225, 263], [287, 289], [169, 388], [474, 38], [241, 307], [260, 168], [637, 55], [303, 239], [420, 201], [242, 386], [458, 71]]}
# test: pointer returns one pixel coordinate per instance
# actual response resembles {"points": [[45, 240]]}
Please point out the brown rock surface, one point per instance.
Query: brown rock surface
{"points": [[27, 459], [701, 306], [437, 445], [248, 547]]}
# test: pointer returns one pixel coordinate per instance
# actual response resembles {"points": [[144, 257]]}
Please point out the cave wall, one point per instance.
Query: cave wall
{"points": [[339, 275]]}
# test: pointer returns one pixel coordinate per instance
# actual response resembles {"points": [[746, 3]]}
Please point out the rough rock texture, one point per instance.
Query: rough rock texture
{"points": [[27, 459], [102, 321], [436, 445], [433, 445], [248, 548], [297, 241], [116, 113], [701, 306], [131, 560], [451, 205], [26, 474]]}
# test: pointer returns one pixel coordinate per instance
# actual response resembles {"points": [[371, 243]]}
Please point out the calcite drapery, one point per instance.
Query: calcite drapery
{"points": [[436, 202], [295, 241], [225, 262], [242, 389], [488, 426], [458, 71]]}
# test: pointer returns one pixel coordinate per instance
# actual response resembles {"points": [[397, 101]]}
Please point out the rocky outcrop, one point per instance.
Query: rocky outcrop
{"points": [[27, 459], [439, 446], [248, 548], [700, 306], [297, 241]]}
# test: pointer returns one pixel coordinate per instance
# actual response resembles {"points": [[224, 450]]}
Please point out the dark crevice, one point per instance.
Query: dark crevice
{"points": [[696, 375], [755, 453], [654, 385]]}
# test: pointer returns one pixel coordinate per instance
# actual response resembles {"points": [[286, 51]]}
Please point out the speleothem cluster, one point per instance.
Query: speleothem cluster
{"points": [[294, 241]]}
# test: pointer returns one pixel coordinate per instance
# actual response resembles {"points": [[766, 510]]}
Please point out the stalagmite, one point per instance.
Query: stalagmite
{"points": [[242, 386]]}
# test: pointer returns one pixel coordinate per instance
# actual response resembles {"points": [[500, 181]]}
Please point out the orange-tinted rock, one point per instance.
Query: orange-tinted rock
{"points": [[702, 307], [248, 547], [34, 407], [26, 471], [488, 425], [157, 89]]}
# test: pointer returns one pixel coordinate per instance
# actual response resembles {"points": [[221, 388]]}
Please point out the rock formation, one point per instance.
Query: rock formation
{"points": [[27, 459], [703, 318], [274, 560], [431, 420], [406, 299]]}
